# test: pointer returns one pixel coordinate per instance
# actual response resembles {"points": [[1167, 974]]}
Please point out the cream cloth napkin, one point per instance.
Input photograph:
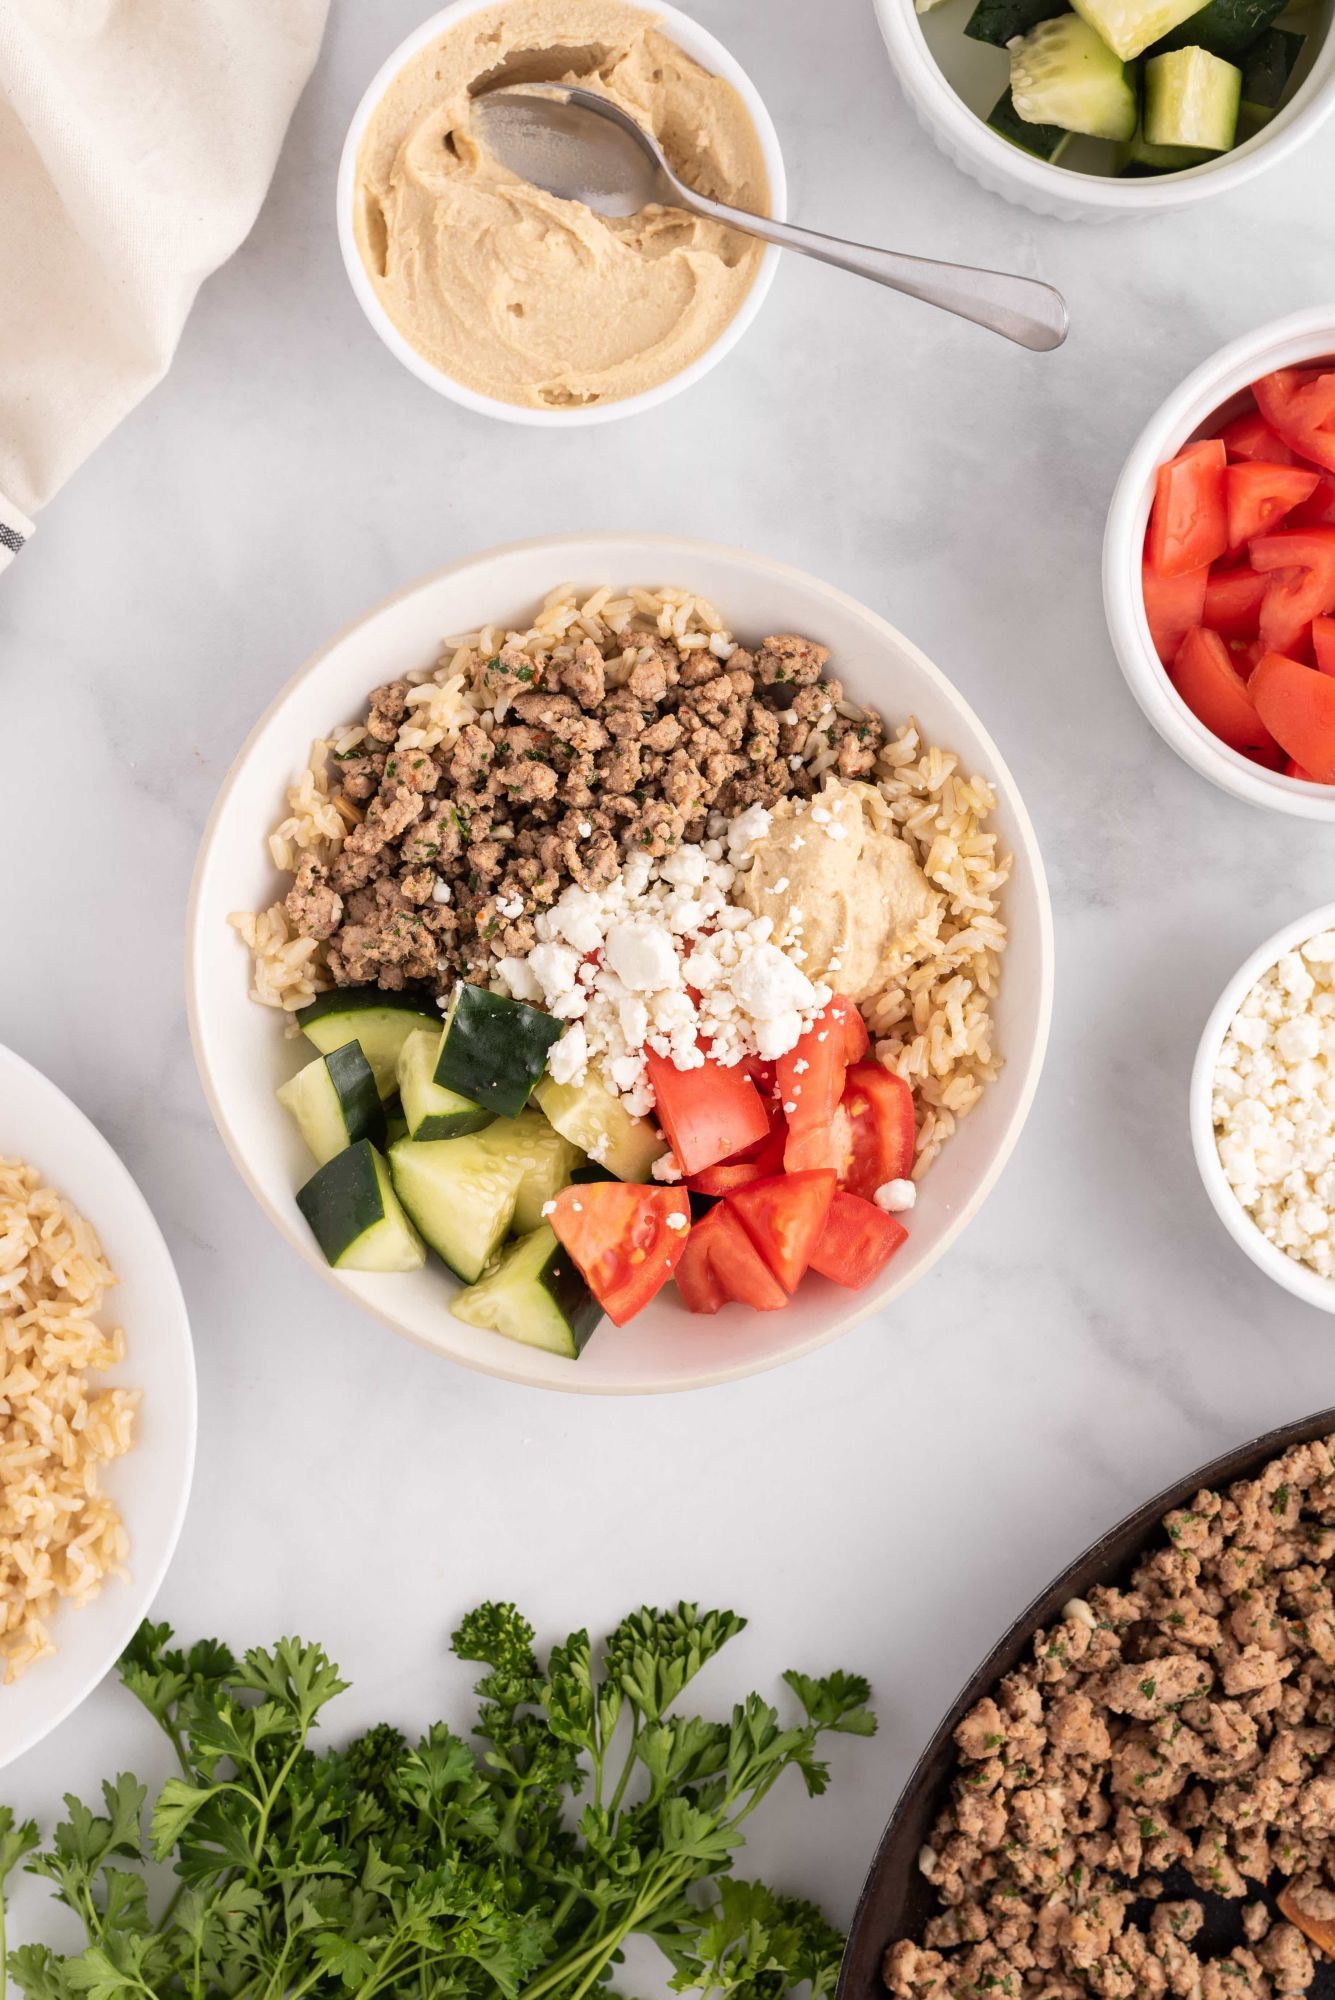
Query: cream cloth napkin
{"points": [[137, 139]]}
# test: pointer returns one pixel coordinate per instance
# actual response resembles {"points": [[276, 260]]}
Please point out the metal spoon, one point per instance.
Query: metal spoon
{"points": [[579, 146]]}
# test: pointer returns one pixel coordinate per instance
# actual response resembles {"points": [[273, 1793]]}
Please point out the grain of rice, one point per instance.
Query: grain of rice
{"points": [[60, 1538]]}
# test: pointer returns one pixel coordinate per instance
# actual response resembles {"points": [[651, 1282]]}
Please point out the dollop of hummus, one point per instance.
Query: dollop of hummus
{"points": [[521, 296], [842, 885]]}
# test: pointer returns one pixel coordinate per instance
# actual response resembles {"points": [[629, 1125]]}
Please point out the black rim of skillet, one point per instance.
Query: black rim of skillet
{"points": [[896, 1899]]}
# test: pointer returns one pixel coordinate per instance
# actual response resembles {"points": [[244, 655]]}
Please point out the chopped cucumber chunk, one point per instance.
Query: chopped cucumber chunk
{"points": [[1131, 26], [545, 1160], [534, 1295], [1224, 27], [1266, 70], [592, 1118], [431, 1111], [1045, 142], [355, 1216], [461, 1194], [379, 1022], [1138, 157], [494, 1049], [335, 1102], [1192, 99], [1000, 21], [1063, 74]]}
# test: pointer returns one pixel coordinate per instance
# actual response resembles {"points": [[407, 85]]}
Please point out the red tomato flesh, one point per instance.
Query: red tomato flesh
{"points": [[1292, 770], [1303, 590], [1233, 602], [1299, 403], [1323, 644], [856, 1039], [879, 1108], [721, 1264], [784, 1217], [810, 1082], [1259, 496], [1319, 511], [857, 1241], [1212, 688], [1189, 518], [708, 1114], [624, 1240], [1297, 706], [1173, 604], [1250, 436]]}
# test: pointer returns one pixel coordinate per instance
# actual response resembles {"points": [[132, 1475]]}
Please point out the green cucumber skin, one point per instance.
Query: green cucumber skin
{"points": [[1266, 72], [387, 1021], [494, 1049], [352, 1078], [350, 999], [1225, 27], [1045, 142], [345, 1200], [433, 1113], [534, 1288], [1000, 21]]}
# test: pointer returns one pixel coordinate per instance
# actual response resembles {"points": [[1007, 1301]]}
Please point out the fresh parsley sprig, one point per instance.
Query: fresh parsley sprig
{"points": [[592, 1812]]}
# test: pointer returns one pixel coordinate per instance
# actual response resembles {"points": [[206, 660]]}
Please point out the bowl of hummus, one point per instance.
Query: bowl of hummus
{"points": [[520, 305]]}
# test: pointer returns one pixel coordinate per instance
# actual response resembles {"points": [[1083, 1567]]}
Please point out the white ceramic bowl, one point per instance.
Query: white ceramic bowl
{"points": [[151, 1484], [1204, 400], [711, 54], [243, 1056], [952, 83], [1297, 1278]]}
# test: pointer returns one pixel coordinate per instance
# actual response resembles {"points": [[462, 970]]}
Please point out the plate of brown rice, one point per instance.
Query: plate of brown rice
{"points": [[966, 1025], [97, 1406]]}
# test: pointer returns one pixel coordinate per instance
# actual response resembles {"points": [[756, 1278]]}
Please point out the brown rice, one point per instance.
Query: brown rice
{"points": [[933, 1025], [59, 1537]]}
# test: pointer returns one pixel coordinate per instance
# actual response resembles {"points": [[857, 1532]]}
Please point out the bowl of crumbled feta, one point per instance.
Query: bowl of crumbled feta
{"points": [[1263, 1107], [576, 959]]}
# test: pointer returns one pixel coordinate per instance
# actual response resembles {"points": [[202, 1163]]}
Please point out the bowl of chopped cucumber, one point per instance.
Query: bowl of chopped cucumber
{"points": [[1107, 108], [495, 1152]]}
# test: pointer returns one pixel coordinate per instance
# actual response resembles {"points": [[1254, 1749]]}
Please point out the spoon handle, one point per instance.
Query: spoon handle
{"points": [[1020, 309]]}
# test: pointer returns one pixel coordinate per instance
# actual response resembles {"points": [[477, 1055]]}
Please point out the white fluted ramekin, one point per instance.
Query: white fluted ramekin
{"points": [[711, 55], [940, 103]]}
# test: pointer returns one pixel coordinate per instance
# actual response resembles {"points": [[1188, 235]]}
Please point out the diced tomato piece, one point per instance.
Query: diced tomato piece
{"points": [[1233, 602], [1299, 403], [1207, 680], [856, 1039], [810, 1083], [1260, 495], [1297, 706], [1319, 511], [784, 1217], [1173, 604], [1323, 644], [881, 1133], [1304, 588], [720, 1263], [627, 1240], [710, 1113], [1189, 518], [857, 1241], [1250, 436], [757, 1163], [1292, 770]]}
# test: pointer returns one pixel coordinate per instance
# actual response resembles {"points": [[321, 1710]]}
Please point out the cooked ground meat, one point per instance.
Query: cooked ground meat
{"points": [[1186, 1722], [451, 852]]}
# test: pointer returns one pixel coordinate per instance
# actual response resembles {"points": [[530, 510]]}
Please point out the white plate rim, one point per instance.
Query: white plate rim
{"points": [[140, 1591], [675, 549]]}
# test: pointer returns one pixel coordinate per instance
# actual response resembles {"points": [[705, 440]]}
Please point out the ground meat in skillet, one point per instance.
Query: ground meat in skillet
{"points": [[1186, 1723], [450, 853]]}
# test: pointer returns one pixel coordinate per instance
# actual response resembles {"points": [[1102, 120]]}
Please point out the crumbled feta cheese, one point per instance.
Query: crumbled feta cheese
{"points": [[643, 956], [895, 1197], [440, 890], [548, 1208], [584, 829], [678, 1222], [510, 906], [568, 1059], [1274, 1103], [519, 979], [665, 1168]]}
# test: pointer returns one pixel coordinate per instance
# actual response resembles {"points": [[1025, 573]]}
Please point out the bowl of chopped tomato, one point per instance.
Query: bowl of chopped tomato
{"points": [[1219, 568]]}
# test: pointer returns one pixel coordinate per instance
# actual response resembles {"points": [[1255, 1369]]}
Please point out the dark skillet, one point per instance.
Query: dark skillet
{"points": [[896, 1900]]}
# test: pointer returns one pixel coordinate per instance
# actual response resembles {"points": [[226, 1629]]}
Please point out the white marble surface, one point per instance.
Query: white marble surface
{"points": [[890, 1502]]}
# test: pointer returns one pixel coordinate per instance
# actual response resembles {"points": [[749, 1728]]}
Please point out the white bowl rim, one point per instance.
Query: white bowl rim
{"points": [[145, 1581], [1296, 339], [681, 550], [1046, 180], [706, 49], [1295, 1277]]}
